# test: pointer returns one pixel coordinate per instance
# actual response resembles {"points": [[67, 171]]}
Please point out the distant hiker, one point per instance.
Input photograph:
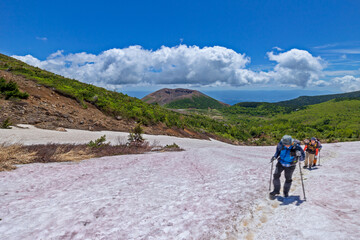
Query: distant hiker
{"points": [[312, 149], [288, 152], [317, 152]]}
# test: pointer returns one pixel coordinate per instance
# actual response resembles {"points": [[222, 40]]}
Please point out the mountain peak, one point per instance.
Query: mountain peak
{"points": [[182, 98]]}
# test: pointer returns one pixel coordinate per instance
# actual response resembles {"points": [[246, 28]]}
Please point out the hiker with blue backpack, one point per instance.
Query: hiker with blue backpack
{"points": [[288, 152]]}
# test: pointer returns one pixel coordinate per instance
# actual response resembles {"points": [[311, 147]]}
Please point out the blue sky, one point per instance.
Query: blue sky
{"points": [[79, 38]]}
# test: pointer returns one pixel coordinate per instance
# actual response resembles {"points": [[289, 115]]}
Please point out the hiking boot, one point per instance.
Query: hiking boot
{"points": [[273, 193], [286, 194], [314, 165], [304, 166]]}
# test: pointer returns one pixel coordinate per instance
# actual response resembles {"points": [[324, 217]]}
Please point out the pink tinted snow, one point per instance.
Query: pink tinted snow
{"points": [[210, 191], [196, 194]]}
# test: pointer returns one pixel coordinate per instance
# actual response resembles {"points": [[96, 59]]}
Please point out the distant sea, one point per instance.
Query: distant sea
{"points": [[235, 96]]}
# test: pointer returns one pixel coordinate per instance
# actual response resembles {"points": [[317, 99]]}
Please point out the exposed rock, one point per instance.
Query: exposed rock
{"points": [[60, 129], [33, 120]]}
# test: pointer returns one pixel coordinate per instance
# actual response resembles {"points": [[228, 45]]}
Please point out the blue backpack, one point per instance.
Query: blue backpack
{"points": [[288, 155]]}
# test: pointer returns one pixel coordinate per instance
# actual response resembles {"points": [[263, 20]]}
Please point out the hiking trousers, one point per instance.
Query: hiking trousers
{"points": [[309, 159], [288, 178]]}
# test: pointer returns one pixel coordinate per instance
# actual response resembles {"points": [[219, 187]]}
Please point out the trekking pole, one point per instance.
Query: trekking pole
{"points": [[302, 181], [272, 164], [319, 158]]}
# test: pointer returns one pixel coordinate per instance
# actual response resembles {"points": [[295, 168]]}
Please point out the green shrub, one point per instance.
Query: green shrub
{"points": [[11, 90], [6, 124], [100, 142], [135, 136], [174, 145]]}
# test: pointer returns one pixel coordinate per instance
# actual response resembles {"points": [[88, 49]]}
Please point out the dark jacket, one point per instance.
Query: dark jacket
{"points": [[313, 148]]}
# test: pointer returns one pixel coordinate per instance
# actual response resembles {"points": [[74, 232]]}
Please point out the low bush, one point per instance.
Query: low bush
{"points": [[6, 124], [11, 90], [135, 137], [100, 142], [173, 147]]}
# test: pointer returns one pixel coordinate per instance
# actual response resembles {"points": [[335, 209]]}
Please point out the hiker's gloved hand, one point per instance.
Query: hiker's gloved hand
{"points": [[298, 153], [272, 159]]}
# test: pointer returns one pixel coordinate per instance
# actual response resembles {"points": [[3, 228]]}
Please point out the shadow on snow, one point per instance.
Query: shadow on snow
{"points": [[290, 200]]}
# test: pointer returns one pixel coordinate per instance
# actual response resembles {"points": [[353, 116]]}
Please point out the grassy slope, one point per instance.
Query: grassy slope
{"points": [[328, 120], [266, 109], [255, 109], [199, 102], [114, 103], [337, 119], [310, 100]]}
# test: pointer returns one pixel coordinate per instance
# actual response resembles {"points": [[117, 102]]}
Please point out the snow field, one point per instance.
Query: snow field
{"points": [[210, 191]]}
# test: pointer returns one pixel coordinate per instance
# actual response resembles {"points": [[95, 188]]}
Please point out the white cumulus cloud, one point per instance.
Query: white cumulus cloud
{"points": [[296, 67], [180, 65], [348, 83]]}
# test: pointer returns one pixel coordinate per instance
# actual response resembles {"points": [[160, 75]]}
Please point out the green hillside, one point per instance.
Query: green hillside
{"points": [[199, 102], [255, 109], [266, 109], [337, 119], [310, 100]]}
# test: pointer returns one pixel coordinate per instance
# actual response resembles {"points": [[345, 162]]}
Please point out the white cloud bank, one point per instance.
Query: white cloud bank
{"points": [[180, 65], [348, 83]]}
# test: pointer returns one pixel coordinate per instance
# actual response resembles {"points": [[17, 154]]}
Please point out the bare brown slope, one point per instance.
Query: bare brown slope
{"points": [[47, 109], [167, 95]]}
